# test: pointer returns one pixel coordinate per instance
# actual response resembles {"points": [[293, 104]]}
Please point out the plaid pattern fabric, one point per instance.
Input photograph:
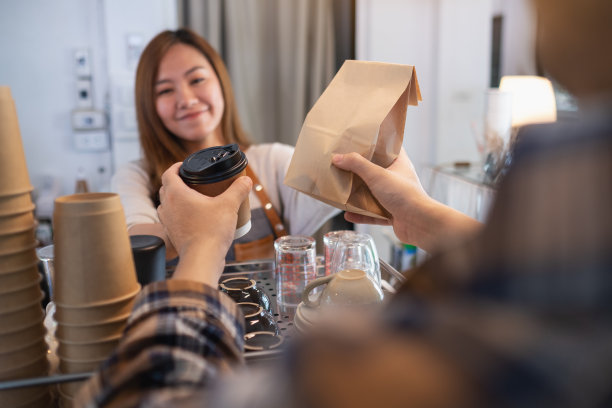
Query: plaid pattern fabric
{"points": [[181, 335]]}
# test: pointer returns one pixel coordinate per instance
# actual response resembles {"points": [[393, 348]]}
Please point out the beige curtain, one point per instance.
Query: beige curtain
{"points": [[280, 54]]}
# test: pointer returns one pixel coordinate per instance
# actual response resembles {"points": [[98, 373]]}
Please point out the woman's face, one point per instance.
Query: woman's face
{"points": [[189, 99]]}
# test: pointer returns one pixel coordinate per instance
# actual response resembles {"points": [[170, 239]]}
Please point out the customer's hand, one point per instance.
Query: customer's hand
{"points": [[397, 188], [200, 227], [416, 218]]}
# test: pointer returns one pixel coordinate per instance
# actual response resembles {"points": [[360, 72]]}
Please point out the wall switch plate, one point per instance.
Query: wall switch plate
{"points": [[91, 140], [82, 62], [84, 95], [88, 119]]}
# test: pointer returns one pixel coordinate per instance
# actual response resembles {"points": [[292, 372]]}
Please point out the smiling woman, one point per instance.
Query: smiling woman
{"points": [[185, 103], [190, 102]]}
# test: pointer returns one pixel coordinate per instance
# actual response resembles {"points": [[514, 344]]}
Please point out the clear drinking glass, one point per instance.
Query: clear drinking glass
{"points": [[356, 251], [296, 266], [330, 239]]}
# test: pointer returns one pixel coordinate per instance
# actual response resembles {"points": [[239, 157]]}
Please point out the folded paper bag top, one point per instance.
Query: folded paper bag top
{"points": [[362, 110]]}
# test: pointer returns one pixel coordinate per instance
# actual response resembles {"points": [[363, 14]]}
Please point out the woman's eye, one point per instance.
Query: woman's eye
{"points": [[197, 80], [163, 91]]}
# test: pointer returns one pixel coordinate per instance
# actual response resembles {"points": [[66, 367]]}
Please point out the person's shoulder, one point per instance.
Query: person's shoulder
{"points": [[560, 136], [131, 168]]}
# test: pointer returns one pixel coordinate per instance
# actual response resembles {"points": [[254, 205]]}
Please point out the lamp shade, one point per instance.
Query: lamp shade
{"points": [[533, 99]]}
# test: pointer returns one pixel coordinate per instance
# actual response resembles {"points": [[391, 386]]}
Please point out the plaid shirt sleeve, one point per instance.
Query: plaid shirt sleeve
{"points": [[181, 335]]}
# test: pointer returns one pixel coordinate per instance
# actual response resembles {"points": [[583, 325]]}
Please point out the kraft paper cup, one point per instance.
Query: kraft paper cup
{"points": [[19, 280], [65, 402], [68, 366], [87, 351], [17, 241], [14, 176], [93, 258], [15, 261], [69, 390], [43, 401], [18, 221], [15, 340], [211, 171], [38, 368], [101, 313], [16, 203], [90, 333], [15, 300], [22, 317], [26, 397], [23, 356]]}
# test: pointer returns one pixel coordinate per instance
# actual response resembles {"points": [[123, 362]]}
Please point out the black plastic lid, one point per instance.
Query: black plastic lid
{"points": [[213, 164]]}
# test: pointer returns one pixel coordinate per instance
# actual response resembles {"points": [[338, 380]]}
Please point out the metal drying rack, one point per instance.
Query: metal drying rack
{"points": [[262, 271]]}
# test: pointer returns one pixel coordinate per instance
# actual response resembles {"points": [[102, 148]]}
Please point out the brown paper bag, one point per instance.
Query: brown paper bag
{"points": [[362, 110]]}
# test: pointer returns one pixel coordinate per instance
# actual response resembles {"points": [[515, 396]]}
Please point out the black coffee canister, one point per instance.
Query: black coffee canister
{"points": [[149, 258]]}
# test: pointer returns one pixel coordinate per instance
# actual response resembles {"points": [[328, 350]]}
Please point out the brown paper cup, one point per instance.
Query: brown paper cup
{"points": [[13, 170], [38, 368], [243, 224], [17, 339], [17, 222], [26, 397], [15, 300], [90, 333], [19, 280], [43, 401], [99, 314], [87, 351], [21, 318], [93, 257], [69, 390], [15, 203], [28, 354], [68, 366], [65, 402], [17, 241], [16, 261]]}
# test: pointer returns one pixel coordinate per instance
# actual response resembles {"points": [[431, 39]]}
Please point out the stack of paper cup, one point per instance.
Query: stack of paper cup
{"points": [[95, 281], [23, 351]]}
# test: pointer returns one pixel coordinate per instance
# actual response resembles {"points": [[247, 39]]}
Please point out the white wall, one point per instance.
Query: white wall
{"points": [[37, 39], [518, 36]]}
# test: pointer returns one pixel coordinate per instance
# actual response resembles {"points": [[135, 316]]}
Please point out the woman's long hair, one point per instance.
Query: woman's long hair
{"points": [[161, 148]]}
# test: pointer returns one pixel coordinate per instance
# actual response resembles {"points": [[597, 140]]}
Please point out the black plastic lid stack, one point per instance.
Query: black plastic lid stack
{"points": [[213, 164]]}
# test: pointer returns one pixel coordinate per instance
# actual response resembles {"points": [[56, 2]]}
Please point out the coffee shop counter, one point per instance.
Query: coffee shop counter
{"points": [[262, 272]]}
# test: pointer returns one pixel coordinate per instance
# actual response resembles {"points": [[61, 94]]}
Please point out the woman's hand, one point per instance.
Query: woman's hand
{"points": [[416, 218], [201, 228]]}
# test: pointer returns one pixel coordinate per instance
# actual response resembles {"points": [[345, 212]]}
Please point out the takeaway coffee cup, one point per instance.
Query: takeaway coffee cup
{"points": [[211, 171]]}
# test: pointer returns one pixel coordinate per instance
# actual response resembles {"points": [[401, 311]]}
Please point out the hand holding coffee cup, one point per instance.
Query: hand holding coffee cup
{"points": [[211, 171], [201, 228]]}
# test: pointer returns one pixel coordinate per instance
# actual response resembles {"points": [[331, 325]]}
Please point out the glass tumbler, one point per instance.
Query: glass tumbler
{"points": [[296, 266], [356, 251]]}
